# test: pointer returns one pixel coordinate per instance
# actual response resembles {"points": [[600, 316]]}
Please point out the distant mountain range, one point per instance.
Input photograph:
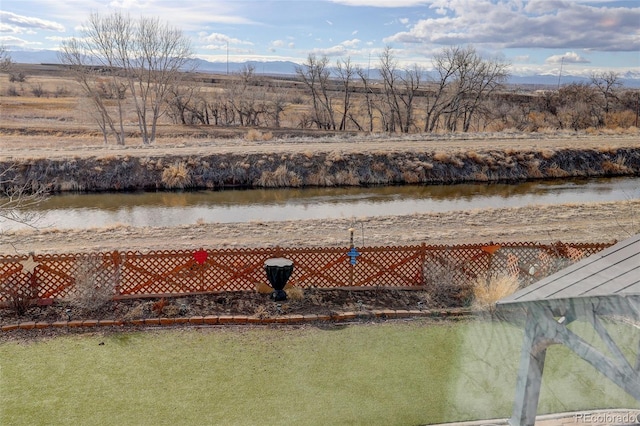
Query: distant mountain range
{"points": [[629, 79]]}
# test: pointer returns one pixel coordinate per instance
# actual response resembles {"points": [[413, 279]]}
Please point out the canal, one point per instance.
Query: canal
{"points": [[179, 208]]}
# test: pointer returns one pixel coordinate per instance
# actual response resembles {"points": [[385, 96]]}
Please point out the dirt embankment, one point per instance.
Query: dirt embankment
{"points": [[590, 222], [379, 164]]}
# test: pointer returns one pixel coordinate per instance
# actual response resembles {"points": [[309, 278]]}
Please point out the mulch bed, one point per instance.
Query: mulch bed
{"points": [[250, 303]]}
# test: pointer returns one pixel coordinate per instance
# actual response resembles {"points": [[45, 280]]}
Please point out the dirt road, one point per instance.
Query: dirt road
{"points": [[74, 147]]}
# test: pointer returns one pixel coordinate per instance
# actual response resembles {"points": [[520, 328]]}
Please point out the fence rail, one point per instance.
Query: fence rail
{"points": [[54, 276]]}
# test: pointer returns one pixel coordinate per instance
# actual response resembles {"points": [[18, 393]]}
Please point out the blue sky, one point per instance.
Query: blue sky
{"points": [[534, 36]]}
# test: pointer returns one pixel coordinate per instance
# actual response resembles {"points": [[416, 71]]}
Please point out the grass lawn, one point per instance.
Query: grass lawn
{"points": [[395, 373]]}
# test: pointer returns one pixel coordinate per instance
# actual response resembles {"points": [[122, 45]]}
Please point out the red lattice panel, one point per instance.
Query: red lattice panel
{"points": [[12, 280], [384, 267], [188, 271], [319, 267], [160, 272], [54, 275]]}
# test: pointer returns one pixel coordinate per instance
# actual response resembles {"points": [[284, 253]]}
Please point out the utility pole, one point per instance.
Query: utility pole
{"points": [[227, 57], [560, 73], [637, 107]]}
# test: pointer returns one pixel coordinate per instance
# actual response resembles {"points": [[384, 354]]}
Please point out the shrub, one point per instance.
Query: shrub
{"points": [[253, 135], [617, 166], [488, 290], [176, 176], [96, 280], [280, 178], [263, 288], [321, 177], [19, 301], [294, 293], [446, 282], [12, 91], [38, 91], [17, 78], [622, 119]]}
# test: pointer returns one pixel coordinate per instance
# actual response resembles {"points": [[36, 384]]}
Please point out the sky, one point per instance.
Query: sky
{"points": [[533, 36]]}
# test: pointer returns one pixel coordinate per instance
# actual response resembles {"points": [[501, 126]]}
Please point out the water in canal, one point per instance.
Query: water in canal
{"points": [[180, 208]]}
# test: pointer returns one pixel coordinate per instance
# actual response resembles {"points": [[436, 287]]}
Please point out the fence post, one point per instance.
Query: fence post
{"points": [[423, 259], [353, 265]]}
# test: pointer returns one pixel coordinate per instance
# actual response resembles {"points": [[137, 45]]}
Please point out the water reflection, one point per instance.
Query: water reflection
{"points": [[177, 208]]}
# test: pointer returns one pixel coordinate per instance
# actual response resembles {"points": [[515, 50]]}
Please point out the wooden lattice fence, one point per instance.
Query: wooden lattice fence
{"points": [[54, 276]]}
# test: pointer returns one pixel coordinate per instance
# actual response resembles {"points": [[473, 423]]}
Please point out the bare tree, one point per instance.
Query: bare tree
{"points": [[276, 103], [606, 83], [346, 73], [411, 79], [17, 196], [106, 91], [5, 59], [145, 55], [186, 105], [315, 75], [368, 95], [445, 65], [247, 97], [390, 91], [466, 81], [578, 106], [162, 54]]}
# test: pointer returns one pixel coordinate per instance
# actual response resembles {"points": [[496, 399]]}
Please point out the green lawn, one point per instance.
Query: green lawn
{"points": [[373, 374]]}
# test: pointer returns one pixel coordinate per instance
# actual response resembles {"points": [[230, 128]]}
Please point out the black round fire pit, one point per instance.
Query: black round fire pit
{"points": [[278, 272]]}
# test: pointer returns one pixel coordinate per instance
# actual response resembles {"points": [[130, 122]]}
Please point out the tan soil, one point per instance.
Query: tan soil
{"points": [[61, 146], [592, 222]]}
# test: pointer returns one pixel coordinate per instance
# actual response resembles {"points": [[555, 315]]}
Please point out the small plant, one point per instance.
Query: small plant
{"points": [[96, 281], [12, 91], [172, 310], [18, 301], [294, 293], [263, 288], [446, 283], [176, 176], [159, 306], [38, 91], [261, 312], [488, 290], [253, 135], [17, 78], [281, 177]]}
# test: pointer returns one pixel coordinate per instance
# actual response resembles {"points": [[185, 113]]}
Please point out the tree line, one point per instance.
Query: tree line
{"points": [[145, 67], [464, 92]]}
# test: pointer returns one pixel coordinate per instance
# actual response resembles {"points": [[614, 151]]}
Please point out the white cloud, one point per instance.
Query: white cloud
{"points": [[222, 39], [19, 23], [351, 43], [382, 3], [522, 58], [567, 58], [537, 23], [337, 50], [126, 4]]}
